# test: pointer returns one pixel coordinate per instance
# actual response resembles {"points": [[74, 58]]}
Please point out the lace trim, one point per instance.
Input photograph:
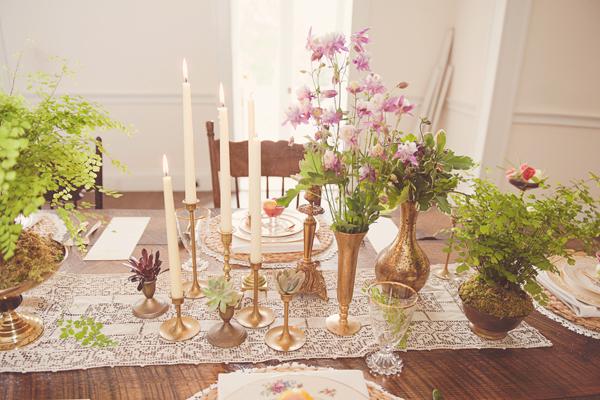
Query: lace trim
{"points": [[568, 324]]}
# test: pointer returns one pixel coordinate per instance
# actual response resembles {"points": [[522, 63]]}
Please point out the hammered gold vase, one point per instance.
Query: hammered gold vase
{"points": [[403, 260], [348, 246]]}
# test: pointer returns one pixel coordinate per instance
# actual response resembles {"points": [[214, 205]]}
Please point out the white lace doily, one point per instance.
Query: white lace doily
{"points": [[438, 323], [568, 324], [380, 392]]}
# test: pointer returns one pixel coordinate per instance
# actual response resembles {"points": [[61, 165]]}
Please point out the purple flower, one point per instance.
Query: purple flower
{"points": [[331, 117], [359, 40], [406, 153], [327, 94], [349, 135], [361, 62], [404, 106], [333, 43], [362, 108], [367, 172], [331, 162], [304, 93], [354, 87], [298, 114], [393, 104], [314, 44], [372, 84]]}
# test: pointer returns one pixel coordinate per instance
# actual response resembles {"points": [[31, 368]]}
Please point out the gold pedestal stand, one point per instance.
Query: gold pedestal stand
{"points": [[149, 307], [17, 329], [226, 238], [285, 338], [255, 316], [179, 328], [227, 333], [444, 273], [314, 282], [192, 289]]}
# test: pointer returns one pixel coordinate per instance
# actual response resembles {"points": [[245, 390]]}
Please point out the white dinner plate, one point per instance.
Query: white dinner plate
{"points": [[289, 218], [319, 388]]}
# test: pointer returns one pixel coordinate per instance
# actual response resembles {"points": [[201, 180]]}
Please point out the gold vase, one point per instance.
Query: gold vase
{"points": [[348, 246], [227, 333], [149, 307], [403, 260]]}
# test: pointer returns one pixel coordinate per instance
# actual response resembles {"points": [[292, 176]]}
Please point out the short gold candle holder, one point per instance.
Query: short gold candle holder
{"points": [[314, 283], [255, 316], [192, 289], [226, 238], [227, 333], [285, 337], [248, 282], [150, 307], [180, 327]]}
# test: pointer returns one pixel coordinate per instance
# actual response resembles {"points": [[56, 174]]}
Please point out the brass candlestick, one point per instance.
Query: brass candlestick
{"points": [[227, 333], [150, 307], [255, 316], [192, 289], [445, 274], [285, 337], [248, 282], [314, 281], [179, 328], [226, 238]]}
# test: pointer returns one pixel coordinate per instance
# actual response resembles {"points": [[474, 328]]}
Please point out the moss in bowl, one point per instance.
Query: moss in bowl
{"points": [[498, 301], [35, 258]]}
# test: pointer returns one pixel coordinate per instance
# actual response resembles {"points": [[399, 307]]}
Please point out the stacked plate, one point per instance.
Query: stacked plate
{"points": [[576, 285], [286, 228]]}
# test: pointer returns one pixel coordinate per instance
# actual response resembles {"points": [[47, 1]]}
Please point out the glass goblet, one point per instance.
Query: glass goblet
{"points": [[391, 308], [273, 211], [202, 217]]}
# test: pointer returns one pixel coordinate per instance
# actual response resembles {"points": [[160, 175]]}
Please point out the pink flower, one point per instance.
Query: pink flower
{"points": [[359, 39], [333, 43], [354, 87], [349, 135], [331, 162], [400, 105], [304, 93], [527, 172], [406, 153], [376, 103], [298, 114], [510, 173], [314, 44], [372, 84], [331, 117], [362, 108], [367, 172], [392, 104], [361, 62], [406, 106], [377, 151], [327, 94]]}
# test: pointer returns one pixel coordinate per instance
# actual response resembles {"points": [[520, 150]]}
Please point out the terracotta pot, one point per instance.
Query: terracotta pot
{"points": [[488, 326], [403, 260]]}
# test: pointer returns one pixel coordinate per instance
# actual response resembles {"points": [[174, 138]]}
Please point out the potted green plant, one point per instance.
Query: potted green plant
{"points": [[46, 146], [507, 239], [222, 297]]}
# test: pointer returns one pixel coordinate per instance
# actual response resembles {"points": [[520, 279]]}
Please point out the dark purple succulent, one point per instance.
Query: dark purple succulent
{"points": [[145, 269]]}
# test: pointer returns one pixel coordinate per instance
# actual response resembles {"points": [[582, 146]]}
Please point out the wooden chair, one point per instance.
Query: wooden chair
{"points": [[278, 160]]}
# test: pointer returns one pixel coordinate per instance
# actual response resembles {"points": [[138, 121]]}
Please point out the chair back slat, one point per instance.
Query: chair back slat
{"points": [[278, 159]]}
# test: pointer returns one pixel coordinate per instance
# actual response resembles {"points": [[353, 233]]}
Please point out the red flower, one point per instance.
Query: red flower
{"points": [[527, 172]]}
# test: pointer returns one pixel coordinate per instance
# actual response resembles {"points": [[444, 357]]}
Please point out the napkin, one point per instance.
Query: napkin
{"points": [[381, 233], [229, 383], [119, 239], [579, 308]]}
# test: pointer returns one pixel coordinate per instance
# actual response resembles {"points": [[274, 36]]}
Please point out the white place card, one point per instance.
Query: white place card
{"points": [[119, 239], [381, 233]]}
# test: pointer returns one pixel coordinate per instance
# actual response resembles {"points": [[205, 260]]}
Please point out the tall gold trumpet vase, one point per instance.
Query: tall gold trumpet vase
{"points": [[403, 260], [285, 337], [255, 316], [149, 307], [348, 246]]}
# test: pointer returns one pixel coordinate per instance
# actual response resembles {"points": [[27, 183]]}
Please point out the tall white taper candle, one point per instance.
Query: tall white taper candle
{"points": [[225, 176], [174, 261], [188, 139]]}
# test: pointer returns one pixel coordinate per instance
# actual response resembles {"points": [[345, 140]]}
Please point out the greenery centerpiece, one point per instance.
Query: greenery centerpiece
{"points": [[507, 239]]}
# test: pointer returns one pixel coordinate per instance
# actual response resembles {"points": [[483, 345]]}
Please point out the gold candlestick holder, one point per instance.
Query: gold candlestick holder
{"points": [[255, 316], [226, 238], [192, 289], [285, 337], [228, 333], [180, 327], [444, 273], [248, 282], [314, 282]]}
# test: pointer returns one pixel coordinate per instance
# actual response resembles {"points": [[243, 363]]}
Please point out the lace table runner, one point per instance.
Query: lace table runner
{"points": [[438, 324]]}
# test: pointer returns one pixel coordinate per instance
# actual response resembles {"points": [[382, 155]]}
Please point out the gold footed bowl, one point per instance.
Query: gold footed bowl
{"points": [[18, 329], [227, 333], [282, 338], [150, 307], [403, 260]]}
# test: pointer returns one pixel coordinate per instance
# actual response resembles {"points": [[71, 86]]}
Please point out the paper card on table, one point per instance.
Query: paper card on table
{"points": [[336, 384], [381, 233], [119, 239]]}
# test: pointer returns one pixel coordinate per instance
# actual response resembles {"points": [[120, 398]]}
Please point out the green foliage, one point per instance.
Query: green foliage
{"points": [[436, 394], [45, 147], [509, 237], [221, 294], [86, 331]]}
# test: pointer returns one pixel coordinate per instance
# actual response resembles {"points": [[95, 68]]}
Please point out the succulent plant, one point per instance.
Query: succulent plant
{"points": [[290, 281], [145, 269], [221, 294]]}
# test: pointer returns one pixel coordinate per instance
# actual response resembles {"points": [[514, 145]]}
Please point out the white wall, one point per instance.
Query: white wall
{"points": [[128, 57], [556, 124]]}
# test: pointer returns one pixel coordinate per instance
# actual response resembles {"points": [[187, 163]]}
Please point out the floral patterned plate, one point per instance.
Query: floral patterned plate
{"points": [[318, 387]]}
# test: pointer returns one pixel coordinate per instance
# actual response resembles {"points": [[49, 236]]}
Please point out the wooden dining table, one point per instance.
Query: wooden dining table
{"points": [[570, 369]]}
